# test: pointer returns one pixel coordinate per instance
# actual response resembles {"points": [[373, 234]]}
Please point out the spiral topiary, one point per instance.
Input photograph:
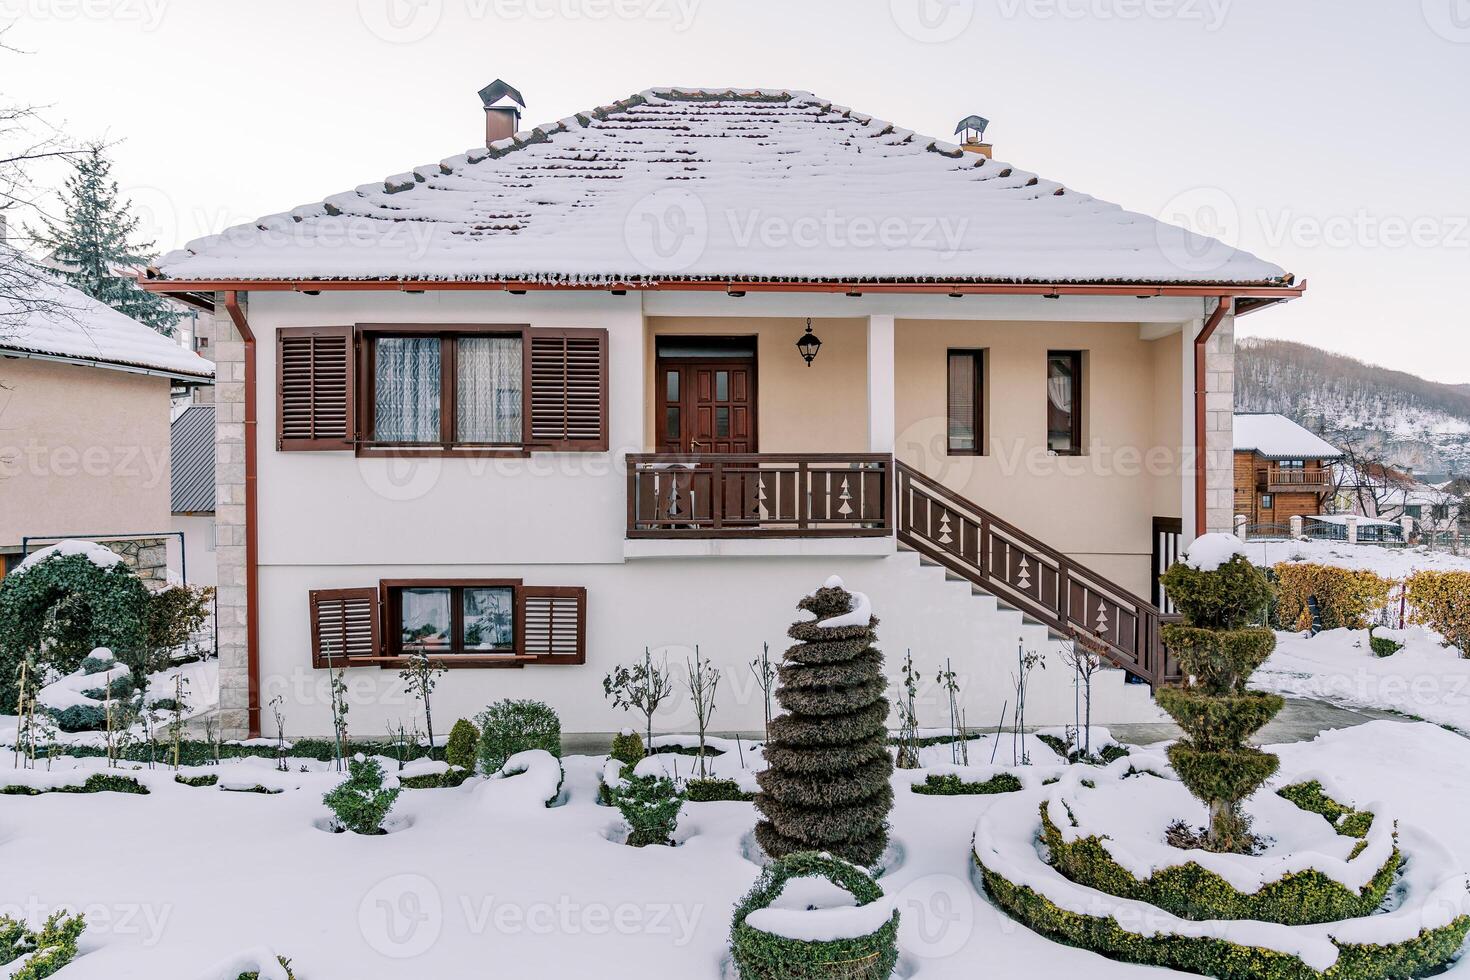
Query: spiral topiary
{"points": [[826, 785], [1218, 650]]}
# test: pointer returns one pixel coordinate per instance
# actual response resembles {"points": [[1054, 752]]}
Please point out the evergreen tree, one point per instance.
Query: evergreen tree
{"points": [[93, 247], [826, 785]]}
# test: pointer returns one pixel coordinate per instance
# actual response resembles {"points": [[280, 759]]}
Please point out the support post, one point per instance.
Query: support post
{"points": [[881, 423]]}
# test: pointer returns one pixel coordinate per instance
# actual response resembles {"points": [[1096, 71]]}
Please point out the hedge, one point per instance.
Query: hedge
{"points": [[99, 782], [1346, 597], [715, 791], [1441, 601], [763, 956], [951, 785]]}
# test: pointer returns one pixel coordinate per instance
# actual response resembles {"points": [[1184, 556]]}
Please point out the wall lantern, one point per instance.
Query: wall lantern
{"points": [[809, 344]]}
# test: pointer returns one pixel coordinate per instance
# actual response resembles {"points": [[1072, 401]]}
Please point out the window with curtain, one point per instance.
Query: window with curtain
{"points": [[965, 403], [487, 400], [1064, 403], [463, 389], [406, 389]]}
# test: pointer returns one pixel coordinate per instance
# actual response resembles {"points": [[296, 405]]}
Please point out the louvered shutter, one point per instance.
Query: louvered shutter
{"points": [[553, 624], [566, 375], [315, 390], [344, 626]]}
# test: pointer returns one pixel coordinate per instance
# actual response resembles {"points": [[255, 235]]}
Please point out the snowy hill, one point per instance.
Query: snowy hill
{"points": [[1420, 424]]}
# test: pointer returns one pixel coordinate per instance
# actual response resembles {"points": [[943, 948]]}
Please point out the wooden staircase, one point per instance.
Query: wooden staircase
{"points": [[1031, 577]]}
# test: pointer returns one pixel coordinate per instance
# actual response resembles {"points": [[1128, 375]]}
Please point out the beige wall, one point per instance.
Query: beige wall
{"points": [[1098, 507], [822, 408], [82, 450]]}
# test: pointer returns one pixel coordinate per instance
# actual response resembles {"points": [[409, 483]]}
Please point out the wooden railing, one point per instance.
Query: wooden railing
{"points": [[772, 495], [1031, 576], [1278, 480]]}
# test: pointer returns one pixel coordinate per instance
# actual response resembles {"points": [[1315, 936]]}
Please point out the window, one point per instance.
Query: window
{"points": [[1414, 511], [1267, 501], [445, 389], [452, 619], [964, 403], [1439, 512], [1064, 403], [1291, 464]]}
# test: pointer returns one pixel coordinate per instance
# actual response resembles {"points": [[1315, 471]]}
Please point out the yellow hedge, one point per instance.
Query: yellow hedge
{"points": [[1441, 601], [1347, 597]]}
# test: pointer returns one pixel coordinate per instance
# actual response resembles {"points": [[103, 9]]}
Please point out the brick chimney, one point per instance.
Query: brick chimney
{"points": [[974, 128], [502, 121]]}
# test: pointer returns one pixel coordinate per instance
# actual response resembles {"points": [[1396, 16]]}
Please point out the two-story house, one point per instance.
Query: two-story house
{"points": [[1281, 470], [645, 376]]}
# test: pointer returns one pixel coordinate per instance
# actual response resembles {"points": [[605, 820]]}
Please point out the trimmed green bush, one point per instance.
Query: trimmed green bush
{"points": [[255, 974], [1073, 753], [1192, 892], [826, 785], [463, 745], [762, 956], [360, 802], [1345, 597], [99, 782], [715, 791], [81, 718], [651, 805], [197, 781], [46, 951], [508, 727], [627, 747], [951, 785], [1382, 646], [1215, 957], [1344, 819], [122, 687]]}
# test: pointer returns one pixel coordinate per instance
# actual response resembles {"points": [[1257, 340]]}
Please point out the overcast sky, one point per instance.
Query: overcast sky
{"points": [[1329, 136]]}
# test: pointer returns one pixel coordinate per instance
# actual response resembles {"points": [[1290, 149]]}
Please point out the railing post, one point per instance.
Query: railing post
{"points": [[803, 501], [632, 494], [717, 493]]}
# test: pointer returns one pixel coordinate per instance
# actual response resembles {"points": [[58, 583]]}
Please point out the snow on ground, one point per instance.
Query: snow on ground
{"points": [[188, 878], [1392, 563], [1424, 679]]}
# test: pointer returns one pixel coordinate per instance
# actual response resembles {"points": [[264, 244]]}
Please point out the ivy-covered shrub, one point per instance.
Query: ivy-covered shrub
{"points": [[826, 785], [1346, 597], [361, 802], [61, 608], [1218, 649], [463, 745], [763, 956], [46, 951], [627, 747], [715, 791], [1217, 957], [1193, 892], [80, 718], [508, 727], [121, 686], [651, 805], [951, 784], [100, 782], [1441, 601]]}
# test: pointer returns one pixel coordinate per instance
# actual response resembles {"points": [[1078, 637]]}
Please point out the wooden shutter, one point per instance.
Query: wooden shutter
{"points": [[314, 388], [344, 626], [553, 625], [566, 376]]}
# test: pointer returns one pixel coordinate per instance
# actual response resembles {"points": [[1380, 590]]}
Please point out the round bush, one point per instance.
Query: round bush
{"points": [[508, 727], [763, 956], [61, 608], [1234, 595], [627, 747], [463, 744]]}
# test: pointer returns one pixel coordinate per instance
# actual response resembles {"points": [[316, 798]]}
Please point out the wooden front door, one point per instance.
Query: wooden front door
{"points": [[706, 406]]}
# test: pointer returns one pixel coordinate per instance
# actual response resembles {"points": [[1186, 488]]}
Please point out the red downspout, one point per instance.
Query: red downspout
{"points": [[252, 539], [1201, 462]]}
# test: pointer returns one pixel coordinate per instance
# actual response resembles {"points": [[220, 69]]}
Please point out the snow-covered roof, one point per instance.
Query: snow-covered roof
{"points": [[703, 184], [1278, 437], [67, 323], [1342, 519]]}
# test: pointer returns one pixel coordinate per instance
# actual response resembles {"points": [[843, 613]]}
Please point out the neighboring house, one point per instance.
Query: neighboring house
{"points": [[84, 424], [192, 491], [558, 399], [1380, 491], [1281, 470]]}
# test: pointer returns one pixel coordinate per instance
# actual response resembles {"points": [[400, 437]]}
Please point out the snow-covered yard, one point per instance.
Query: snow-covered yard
{"points": [[191, 883], [1391, 563]]}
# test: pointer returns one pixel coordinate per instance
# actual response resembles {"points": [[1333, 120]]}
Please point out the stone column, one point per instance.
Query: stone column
{"points": [[1220, 427], [1297, 526], [229, 523], [1352, 529], [1240, 522]]}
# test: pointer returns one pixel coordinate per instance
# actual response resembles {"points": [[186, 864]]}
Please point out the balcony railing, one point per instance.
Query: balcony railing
{"points": [[1278, 480], [760, 495]]}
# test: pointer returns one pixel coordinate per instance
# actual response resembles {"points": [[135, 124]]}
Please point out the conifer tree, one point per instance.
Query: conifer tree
{"points": [[826, 785], [93, 245]]}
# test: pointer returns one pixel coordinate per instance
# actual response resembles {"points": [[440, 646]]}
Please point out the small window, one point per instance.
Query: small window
{"points": [[1267, 501], [964, 403], [1440, 512], [1064, 403], [1415, 511], [435, 389], [1292, 464], [475, 618]]}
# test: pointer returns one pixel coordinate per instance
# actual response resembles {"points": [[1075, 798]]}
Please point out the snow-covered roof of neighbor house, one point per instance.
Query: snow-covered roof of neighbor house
{"points": [[1342, 519], [677, 184], [58, 321], [1278, 437], [191, 457]]}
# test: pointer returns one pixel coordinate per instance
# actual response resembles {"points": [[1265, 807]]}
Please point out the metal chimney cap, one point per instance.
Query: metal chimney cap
{"points": [[498, 90], [977, 123]]}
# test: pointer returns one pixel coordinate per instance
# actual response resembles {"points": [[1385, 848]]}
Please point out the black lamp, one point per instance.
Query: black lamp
{"points": [[808, 344]]}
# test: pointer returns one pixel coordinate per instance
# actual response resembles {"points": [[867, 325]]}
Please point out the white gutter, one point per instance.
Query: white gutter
{"points": [[108, 366]]}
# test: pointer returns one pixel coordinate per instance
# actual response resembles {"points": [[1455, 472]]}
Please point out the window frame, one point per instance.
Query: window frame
{"points": [[979, 357], [391, 606], [1078, 393], [447, 445]]}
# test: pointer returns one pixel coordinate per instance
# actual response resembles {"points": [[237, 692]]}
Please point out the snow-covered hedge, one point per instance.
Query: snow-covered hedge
{"points": [[1441, 601], [1346, 597]]}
